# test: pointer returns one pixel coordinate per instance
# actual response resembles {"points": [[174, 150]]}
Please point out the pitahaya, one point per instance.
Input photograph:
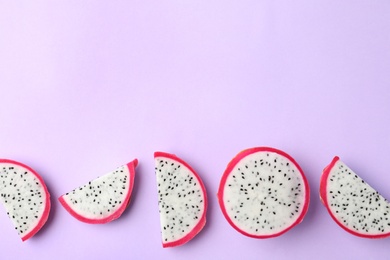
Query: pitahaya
{"points": [[352, 203], [24, 196], [103, 199], [263, 193], [182, 200]]}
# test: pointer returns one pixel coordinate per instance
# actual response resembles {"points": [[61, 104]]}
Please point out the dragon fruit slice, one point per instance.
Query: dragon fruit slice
{"points": [[182, 200], [263, 193], [352, 203], [24, 196], [103, 199]]}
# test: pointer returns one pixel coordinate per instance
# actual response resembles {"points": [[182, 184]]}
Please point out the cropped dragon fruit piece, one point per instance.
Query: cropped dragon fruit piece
{"points": [[25, 197], [352, 203]]}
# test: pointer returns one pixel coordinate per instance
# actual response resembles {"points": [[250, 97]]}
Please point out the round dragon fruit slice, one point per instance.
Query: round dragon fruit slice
{"points": [[24, 196], [263, 193], [182, 200], [103, 199], [352, 203]]}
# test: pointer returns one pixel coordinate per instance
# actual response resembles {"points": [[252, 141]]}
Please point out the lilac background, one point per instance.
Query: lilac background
{"points": [[89, 85]]}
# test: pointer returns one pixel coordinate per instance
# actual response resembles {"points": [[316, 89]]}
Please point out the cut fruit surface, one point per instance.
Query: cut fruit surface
{"points": [[182, 200], [25, 197], [263, 193], [103, 199], [352, 203]]}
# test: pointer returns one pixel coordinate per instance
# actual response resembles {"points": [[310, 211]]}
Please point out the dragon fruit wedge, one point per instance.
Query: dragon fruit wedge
{"points": [[352, 203], [263, 193], [182, 200], [24, 196], [103, 199]]}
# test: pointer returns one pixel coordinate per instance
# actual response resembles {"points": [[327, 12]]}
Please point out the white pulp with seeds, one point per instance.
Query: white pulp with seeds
{"points": [[100, 197], [181, 200], [264, 194], [103, 199], [24, 196], [355, 204]]}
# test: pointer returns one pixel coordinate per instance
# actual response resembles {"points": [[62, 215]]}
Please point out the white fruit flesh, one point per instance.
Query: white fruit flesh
{"points": [[264, 194], [101, 197], [181, 199], [355, 204], [23, 197]]}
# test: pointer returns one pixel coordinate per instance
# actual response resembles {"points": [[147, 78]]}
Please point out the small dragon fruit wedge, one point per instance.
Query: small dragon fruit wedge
{"points": [[263, 193], [352, 203], [182, 200], [24, 196], [103, 199]]}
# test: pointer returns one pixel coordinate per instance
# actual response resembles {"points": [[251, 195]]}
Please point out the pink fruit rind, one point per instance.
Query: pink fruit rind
{"points": [[202, 221], [46, 210], [229, 169], [131, 166], [323, 197]]}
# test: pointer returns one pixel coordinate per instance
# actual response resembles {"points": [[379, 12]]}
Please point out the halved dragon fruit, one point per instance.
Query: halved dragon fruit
{"points": [[263, 193], [25, 197], [352, 203], [182, 200], [103, 199]]}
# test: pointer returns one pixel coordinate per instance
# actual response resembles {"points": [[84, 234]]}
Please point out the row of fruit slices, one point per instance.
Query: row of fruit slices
{"points": [[263, 193]]}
